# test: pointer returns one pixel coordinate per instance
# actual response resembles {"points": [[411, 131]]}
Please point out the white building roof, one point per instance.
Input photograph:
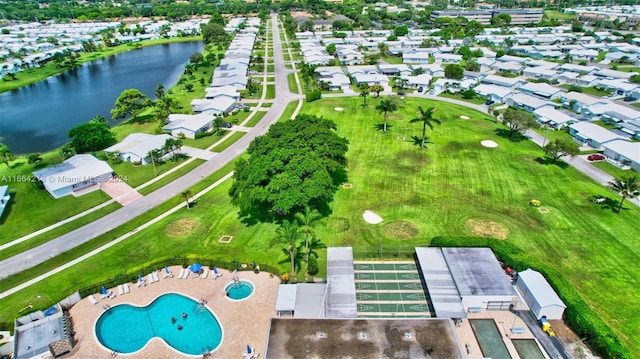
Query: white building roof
{"points": [[540, 89], [630, 150], [76, 169], [554, 115], [188, 122], [139, 144], [490, 89], [595, 132], [477, 272], [541, 290]]}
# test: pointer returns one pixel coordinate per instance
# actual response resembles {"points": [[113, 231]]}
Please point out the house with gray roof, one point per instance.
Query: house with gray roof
{"points": [[217, 106], [623, 153], [510, 82], [553, 118], [527, 102], [188, 125], [539, 72], [74, 176], [4, 198], [542, 90], [593, 135], [492, 92], [580, 103], [137, 146], [617, 86]]}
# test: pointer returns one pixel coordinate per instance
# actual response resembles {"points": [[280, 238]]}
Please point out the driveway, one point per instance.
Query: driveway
{"points": [[197, 153], [120, 191]]}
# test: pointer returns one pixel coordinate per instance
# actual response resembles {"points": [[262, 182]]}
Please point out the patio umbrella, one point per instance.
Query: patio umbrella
{"points": [[248, 349], [104, 290], [195, 267], [140, 277], [215, 270], [166, 269]]}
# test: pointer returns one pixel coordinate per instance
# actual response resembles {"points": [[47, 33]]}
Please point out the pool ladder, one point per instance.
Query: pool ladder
{"points": [[199, 309]]}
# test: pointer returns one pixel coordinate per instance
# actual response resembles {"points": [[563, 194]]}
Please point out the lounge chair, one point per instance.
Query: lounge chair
{"points": [[92, 299], [126, 288], [141, 283], [108, 294], [120, 289], [150, 278], [186, 273], [181, 275], [155, 276], [204, 274], [167, 274]]}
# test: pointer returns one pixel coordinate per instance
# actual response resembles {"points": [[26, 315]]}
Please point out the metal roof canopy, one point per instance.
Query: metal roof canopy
{"points": [[309, 300], [442, 289], [286, 299], [476, 271], [341, 290], [541, 290]]}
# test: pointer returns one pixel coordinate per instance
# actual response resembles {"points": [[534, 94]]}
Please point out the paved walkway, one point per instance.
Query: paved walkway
{"points": [[197, 153], [120, 191]]}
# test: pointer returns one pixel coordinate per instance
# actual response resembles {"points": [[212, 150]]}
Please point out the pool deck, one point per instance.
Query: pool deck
{"points": [[243, 322], [504, 321]]}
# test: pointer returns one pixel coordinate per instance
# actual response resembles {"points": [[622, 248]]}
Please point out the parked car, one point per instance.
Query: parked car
{"points": [[596, 157], [420, 89], [489, 102], [629, 99], [226, 125]]}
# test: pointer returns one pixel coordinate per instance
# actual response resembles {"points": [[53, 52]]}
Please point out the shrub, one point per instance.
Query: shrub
{"points": [[312, 265], [314, 95]]}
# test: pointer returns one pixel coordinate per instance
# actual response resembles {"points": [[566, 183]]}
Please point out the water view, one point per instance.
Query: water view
{"points": [[38, 117]]}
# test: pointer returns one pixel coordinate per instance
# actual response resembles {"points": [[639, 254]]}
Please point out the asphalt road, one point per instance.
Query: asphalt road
{"points": [[75, 238]]}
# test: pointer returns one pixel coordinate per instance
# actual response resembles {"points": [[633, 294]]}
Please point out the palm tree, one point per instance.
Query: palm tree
{"points": [[627, 188], [5, 154], [383, 48], [154, 155], [385, 106], [426, 117], [288, 234], [160, 91], [364, 93], [187, 195], [34, 158], [307, 219]]}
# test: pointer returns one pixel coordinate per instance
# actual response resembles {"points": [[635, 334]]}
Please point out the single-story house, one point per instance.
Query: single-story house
{"points": [[434, 70], [453, 86], [362, 69], [579, 102], [542, 90], [370, 79], [618, 86], [553, 118], [593, 135], [514, 67], [336, 81], [492, 92], [74, 174], [527, 102], [422, 80], [616, 113], [624, 152], [503, 81], [136, 147], [631, 127], [188, 125], [4, 198], [540, 73], [394, 70], [216, 106], [227, 91], [614, 74], [449, 58], [416, 57]]}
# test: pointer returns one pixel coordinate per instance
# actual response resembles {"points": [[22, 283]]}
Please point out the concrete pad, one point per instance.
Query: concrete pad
{"points": [[197, 153], [120, 191], [371, 217], [489, 143]]}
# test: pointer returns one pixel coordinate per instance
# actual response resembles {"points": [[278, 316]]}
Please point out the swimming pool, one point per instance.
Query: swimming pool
{"points": [[527, 349], [489, 338], [127, 329], [238, 291]]}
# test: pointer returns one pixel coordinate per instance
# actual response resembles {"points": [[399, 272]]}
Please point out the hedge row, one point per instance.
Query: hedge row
{"points": [[578, 315]]}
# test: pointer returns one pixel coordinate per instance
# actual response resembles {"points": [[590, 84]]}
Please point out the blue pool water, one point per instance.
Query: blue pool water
{"points": [[126, 328], [238, 291]]}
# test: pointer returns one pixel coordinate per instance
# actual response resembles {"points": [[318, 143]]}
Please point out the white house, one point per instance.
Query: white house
{"points": [[422, 80], [494, 93], [580, 102], [224, 91], [503, 81], [539, 296], [527, 102], [542, 90], [74, 174], [553, 118], [188, 125], [136, 147], [4, 198], [624, 153], [593, 135], [216, 106], [538, 72]]}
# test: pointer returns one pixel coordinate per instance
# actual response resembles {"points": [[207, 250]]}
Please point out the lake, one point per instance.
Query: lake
{"points": [[37, 118]]}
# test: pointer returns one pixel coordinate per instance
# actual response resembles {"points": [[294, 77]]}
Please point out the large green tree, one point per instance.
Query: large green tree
{"points": [[561, 147], [214, 33], [426, 117], [130, 102], [386, 106], [294, 165], [627, 187], [518, 121], [91, 136], [454, 71]]}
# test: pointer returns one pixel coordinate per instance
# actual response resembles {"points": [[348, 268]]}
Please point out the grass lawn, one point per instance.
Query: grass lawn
{"points": [[613, 170], [553, 14], [32, 208], [204, 142], [229, 141], [458, 96], [552, 134], [589, 90], [439, 191], [392, 59], [124, 130], [607, 125], [255, 119], [135, 175], [291, 80], [625, 68], [271, 92], [171, 177]]}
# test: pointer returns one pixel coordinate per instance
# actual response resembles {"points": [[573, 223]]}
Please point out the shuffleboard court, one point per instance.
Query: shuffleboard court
{"points": [[390, 290]]}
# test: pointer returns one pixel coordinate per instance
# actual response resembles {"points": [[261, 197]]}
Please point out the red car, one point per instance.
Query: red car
{"points": [[596, 157]]}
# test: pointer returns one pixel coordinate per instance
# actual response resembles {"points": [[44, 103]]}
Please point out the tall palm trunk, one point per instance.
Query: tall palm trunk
{"points": [[621, 202], [293, 266], [385, 123], [424, 134], [306, 244]]}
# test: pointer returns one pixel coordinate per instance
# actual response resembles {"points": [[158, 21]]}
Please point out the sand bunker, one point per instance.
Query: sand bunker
{"points": [[371, 217], [339, 109], [464, 117], [489, 143]]}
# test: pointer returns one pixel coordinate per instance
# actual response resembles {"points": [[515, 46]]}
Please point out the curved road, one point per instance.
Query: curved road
{"points": [[66, 242]]}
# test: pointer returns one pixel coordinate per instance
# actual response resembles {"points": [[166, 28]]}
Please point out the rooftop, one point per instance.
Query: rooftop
{"points": [[477, 272]]}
